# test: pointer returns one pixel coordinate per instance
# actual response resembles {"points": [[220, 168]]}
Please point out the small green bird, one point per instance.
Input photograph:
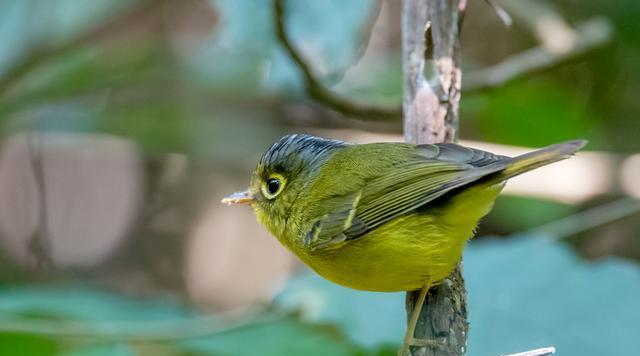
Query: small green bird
{"points": [[382, 216]]}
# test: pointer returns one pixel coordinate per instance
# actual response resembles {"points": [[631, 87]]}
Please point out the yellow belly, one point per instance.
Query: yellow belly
{"points": [[409, 251]]}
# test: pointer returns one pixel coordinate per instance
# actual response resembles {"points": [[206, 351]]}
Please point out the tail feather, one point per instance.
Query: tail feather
{"points": [[520, 164]]}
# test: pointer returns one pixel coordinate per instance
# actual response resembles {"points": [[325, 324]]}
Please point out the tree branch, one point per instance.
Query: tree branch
{"points": [[39, 244], [315, 89], [432, 81], [545, 351], [542, 20], [502, 14], [589, 219], [590, 35]]}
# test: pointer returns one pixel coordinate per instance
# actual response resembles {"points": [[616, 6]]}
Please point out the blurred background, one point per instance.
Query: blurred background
{"points": [[124, 122]]}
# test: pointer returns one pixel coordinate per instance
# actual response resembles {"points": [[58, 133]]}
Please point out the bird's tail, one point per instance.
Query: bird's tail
{"points": [[517, 165]]}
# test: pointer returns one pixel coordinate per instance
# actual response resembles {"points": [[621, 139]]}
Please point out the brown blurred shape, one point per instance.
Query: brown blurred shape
{"points": [[232, 261], [91, 186]]}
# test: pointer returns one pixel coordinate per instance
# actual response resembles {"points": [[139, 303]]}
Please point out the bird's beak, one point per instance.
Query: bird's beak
{"points": [[238, 198]]}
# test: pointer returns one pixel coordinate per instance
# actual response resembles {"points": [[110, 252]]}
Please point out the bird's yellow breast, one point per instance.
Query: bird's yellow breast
{"points": [[407, 252]]}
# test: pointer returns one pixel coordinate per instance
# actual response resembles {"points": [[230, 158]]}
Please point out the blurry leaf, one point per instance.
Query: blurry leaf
{"points": [[156, 126], [124, 89], [127, 66], [236, 57], [328, 33], [378, 82], [217, 138], [624, 15], [20, 344], [246, 53], [40, 30], [118, 349], [13, 16], [81, 303], [100, 75], [515, 213], [105, 315], [60, 20], [533, 113], [287, 337], [524, 293], [532, 292], [45, 23], [368, 318]]}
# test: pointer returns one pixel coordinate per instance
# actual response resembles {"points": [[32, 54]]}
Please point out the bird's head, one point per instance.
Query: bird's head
{"points": [[281, 176]]}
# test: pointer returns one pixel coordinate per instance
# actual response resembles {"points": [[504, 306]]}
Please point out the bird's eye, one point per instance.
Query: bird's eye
{"points": [[272, 186]]}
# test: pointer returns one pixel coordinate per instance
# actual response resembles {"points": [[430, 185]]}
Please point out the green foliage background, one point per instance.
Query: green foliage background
{"points": [[136, 70]]}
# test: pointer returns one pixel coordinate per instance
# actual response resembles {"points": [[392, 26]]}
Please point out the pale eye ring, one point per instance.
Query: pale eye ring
{"points": [[272, 186]]}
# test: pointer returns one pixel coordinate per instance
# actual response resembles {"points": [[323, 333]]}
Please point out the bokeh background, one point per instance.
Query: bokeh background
{"points": [[123, 123]]}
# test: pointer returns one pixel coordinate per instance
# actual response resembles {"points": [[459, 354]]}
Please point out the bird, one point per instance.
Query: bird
{"points": [[383, 217]]}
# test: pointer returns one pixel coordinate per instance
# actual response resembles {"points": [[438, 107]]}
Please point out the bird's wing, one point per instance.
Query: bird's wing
{"points": [[429, 172]]}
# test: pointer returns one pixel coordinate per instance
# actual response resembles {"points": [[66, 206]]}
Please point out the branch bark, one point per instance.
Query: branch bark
{"points": [[432, 83]]}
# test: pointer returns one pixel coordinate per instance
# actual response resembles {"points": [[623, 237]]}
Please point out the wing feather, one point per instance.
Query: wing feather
{"points": [[389, 191], [404, 196]]}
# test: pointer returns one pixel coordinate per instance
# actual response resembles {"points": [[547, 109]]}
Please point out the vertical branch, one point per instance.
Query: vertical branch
{"points": [[432, 74], [39, 243], [432, 82]]}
